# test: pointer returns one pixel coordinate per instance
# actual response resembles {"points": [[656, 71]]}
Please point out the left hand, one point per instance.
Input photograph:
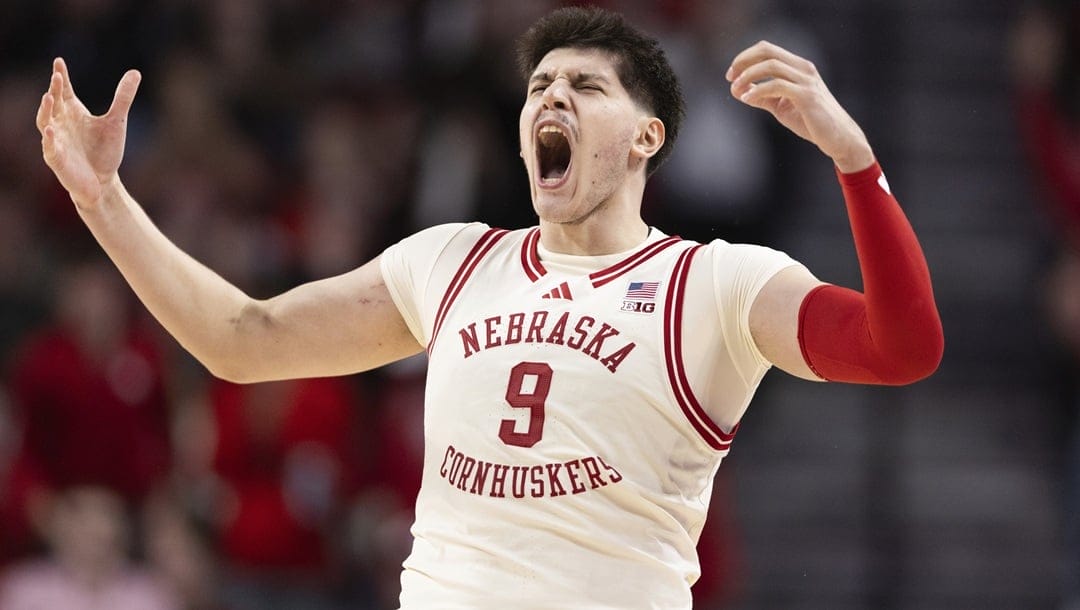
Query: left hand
{"points": [[789, 87]]}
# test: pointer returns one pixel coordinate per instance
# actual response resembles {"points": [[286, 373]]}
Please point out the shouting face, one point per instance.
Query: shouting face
{"points": [[582, 135]]}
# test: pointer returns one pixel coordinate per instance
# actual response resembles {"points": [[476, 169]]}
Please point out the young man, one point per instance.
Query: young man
{"points": [[586, 376]]}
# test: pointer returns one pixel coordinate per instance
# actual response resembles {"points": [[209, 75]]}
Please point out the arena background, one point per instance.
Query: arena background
{"points": [[283, 140]]}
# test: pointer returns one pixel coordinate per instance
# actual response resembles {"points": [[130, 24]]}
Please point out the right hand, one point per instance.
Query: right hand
{"points": [[83, 150], [790, 88]]}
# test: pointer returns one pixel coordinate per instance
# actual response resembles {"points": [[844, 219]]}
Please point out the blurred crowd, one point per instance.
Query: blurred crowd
{"points": [[278, 141], [1045, 57]]}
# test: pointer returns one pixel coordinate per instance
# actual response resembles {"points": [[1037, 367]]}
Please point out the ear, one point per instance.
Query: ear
{"points": [[648, 137]]}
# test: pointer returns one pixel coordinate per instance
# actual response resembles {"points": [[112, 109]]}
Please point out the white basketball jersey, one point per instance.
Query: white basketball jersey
{"points": [[568, 459]]}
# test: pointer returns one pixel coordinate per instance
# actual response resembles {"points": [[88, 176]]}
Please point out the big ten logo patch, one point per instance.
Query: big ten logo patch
{"points": [[638, 307]]}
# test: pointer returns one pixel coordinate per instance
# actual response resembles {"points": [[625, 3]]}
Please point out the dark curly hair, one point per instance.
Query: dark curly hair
{"points": [[641, 64]]}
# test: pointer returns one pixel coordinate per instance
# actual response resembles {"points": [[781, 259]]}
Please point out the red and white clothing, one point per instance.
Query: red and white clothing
{"points": [[577, 409]]}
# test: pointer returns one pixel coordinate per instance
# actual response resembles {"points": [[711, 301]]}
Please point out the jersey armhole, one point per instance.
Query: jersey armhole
{"points": [[465, 270], [409, 267], [746, 338], [709, 431], [411, 321]]}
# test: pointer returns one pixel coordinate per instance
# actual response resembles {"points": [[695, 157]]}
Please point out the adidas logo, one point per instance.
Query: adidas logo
{"points": [[562, 291]]}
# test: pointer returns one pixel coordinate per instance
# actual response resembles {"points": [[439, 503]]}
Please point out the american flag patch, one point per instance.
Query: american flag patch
{"points": [[642, 290]]}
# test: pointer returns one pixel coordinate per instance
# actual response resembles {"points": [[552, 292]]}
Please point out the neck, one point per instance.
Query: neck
{"points": [[590, 240], [615, 225]]}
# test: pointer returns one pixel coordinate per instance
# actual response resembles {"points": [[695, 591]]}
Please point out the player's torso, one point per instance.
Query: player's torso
{"points": [[550, 405]]}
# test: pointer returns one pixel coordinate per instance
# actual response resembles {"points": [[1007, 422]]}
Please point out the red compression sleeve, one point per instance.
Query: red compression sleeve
{"points": [[891, 333]]}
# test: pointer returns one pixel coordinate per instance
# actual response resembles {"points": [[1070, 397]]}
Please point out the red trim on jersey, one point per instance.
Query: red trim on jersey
{"points": [[680, 384], [604, 276], [530, 257], [483, 245]]}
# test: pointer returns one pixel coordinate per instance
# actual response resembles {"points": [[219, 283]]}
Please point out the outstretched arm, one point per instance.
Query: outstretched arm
{"points": [[334, 326], [888, 334]]}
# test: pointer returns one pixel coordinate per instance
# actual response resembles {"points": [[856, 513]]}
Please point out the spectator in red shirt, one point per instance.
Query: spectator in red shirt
{"points": [[287, 466], [89, 399], [1045, 54]]}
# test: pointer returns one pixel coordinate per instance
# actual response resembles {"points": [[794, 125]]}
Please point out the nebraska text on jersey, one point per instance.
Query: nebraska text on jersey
{"points": [[583, 333]]}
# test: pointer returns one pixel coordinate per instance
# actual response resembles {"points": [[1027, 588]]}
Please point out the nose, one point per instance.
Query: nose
{"points": [[556, 95]]}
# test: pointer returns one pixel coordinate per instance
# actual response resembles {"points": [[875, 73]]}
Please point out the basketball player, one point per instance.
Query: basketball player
{"points": [[586, 376]]}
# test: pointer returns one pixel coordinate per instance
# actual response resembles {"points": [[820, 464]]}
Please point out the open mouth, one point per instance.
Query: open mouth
{"points": [[553, 153]]}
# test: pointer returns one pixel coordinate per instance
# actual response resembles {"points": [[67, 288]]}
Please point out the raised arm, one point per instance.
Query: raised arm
{"points": [[334, 326], [891, 332]]}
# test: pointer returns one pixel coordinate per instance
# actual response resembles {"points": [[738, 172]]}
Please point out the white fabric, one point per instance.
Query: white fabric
{"points": [[623, 533]]}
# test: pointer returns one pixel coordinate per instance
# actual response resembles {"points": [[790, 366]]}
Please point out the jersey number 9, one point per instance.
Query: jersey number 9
{"points": [[533, 400]]}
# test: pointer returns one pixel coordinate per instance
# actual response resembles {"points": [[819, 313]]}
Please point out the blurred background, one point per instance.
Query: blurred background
{"points": [[280, 141]]}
